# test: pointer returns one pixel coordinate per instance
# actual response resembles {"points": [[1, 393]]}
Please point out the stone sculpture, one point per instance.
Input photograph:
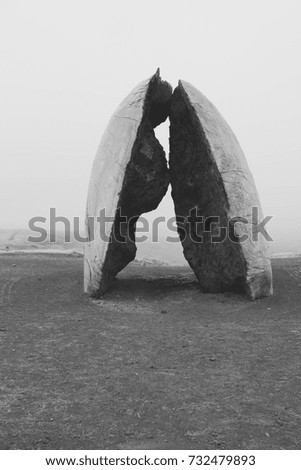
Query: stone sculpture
{"points": [[212, 187]]}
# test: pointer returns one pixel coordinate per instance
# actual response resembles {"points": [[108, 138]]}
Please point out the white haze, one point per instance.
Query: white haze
{"points": [[66, 65]]}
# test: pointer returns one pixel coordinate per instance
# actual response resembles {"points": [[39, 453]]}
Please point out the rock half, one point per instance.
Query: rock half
{"points": [[129, 177]]}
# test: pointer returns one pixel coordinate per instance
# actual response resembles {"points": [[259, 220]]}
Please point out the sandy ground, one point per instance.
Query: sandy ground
{"points": [[153, 364]]}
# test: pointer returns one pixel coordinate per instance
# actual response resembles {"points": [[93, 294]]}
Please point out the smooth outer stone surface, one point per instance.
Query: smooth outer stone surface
{"points": [[129, 174], [209, 171]]}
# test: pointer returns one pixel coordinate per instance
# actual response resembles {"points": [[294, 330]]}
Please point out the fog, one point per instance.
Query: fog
{"points": [[66, 65]]}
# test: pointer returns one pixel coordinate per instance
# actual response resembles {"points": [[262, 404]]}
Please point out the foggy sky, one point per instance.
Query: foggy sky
{"points": [[66, 65]]}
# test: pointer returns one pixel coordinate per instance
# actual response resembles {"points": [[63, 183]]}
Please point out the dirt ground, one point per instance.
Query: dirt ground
{"points": [[154, 364]]}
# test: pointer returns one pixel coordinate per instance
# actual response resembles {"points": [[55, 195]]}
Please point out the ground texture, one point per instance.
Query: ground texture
{"points": [[153, 364]]}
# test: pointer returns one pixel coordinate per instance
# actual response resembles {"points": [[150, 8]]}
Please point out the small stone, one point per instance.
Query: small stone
{"points": [[193, 433]]}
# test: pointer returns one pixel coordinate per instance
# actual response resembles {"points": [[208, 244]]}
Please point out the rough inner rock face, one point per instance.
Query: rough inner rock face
{"points": [[198, 190], [145, 182]]}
